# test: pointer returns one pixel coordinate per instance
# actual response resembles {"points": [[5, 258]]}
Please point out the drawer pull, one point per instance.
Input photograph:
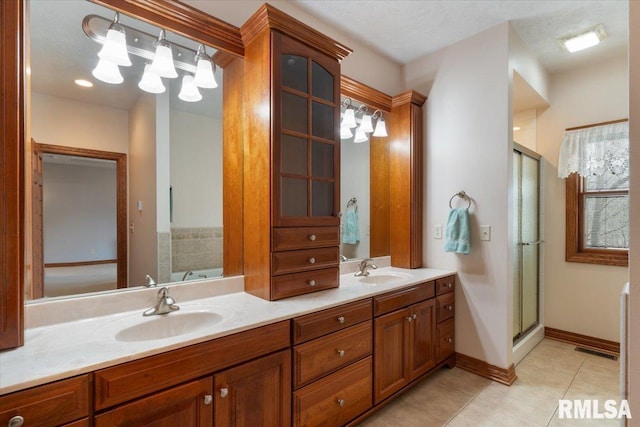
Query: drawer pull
{"points": [[415, 316], [341, 319], [312, 237], [409, 319], [341, 353], [208, 399], [449, 285], [312, 260], [224, 392], [341, 402], [311, 282], [16, 421], [450, 340], [449, 307]]}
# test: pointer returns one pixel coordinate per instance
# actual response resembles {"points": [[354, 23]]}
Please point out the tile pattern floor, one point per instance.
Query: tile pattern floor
{"points": [[551, 371]]}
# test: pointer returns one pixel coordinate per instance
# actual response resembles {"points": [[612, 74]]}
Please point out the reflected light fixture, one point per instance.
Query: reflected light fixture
{"points": [[162, 64], [361, 136], [345, 132], [584, 39], [349, 118], [204, 70], [151, 82], [189, 91], [114, 48], [365, 124], [381, 127], [107, 72]]}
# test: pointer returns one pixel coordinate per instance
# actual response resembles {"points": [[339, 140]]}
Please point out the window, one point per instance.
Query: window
{"points": [[598, 218]]}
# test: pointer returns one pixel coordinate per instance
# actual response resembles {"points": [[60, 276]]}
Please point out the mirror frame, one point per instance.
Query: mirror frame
{"points": [[176, 17]]}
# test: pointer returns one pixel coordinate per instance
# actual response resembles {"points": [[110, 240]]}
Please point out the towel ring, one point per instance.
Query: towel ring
{"points": [[353, 202], [462, 195]]}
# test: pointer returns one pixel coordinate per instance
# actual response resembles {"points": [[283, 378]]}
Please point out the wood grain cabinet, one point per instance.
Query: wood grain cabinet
{"points": [[445, 304]]}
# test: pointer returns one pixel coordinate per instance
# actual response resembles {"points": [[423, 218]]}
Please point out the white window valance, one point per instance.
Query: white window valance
{"points": [[595, 150]]}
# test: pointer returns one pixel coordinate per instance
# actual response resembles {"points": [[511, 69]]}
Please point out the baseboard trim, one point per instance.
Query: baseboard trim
{"points": [[592, 343], [484, 369]]}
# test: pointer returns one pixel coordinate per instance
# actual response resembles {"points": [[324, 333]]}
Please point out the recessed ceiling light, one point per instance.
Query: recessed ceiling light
{"points": [[83, 83], [516, 128], [584, 39]]}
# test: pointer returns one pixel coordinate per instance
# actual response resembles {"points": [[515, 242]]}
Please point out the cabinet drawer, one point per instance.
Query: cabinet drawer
{"points": [[336, 399], [51, 404], [446, 284], [394, 300], [446, 339], [285, 239], [321, 356], [303, 260], [324, 322], [289, 285], [446, 306]]}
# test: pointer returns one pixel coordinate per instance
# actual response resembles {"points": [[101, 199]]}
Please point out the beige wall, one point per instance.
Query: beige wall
{"points": [[634, 258], [581, 298], [526, 135]]}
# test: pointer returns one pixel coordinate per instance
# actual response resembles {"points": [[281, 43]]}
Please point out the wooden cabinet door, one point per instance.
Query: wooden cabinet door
{"points": [[391, 362], [186, 405], [256, 393], [422, 338]]}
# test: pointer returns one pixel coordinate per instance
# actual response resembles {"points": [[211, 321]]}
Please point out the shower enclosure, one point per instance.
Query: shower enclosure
{"points": [[526, 248]]}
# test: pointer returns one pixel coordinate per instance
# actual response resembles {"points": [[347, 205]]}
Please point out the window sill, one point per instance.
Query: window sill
{"points": [[613, 259]]}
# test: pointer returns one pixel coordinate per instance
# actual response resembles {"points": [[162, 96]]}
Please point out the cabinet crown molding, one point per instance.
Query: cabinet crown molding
{"points": [[409, 97], [361, 92], [268, 16]]}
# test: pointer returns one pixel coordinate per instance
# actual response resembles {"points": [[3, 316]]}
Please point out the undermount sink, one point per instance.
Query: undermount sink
{"points": [[161, 326], [384, 278]]}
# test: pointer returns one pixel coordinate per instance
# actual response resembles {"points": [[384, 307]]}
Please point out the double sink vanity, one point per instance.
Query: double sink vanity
{"points": [[229, 358]]}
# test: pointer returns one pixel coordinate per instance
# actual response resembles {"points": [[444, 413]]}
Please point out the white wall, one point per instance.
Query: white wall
{"points": [[580, 298], [364, 64], [79, 212], [196, 170], [634, 256], [468, 148]]}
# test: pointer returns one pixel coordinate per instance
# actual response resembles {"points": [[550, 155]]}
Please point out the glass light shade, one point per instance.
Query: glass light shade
{"points": [[361, 136], [107, 72], [345, 132], [151, 82], [162, 64], [349, 118], [114, 48], [204, 74], [366, 124], [381, 128], [189, 91]]}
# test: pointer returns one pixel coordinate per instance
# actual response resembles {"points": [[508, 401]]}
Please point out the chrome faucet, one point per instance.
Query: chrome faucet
{"points": [[343, 258], [364, 267], [150, 281], [187, 274], [165, 304]]}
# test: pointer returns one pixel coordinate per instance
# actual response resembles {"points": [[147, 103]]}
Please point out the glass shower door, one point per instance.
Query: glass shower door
{"points": [[526, 250]]}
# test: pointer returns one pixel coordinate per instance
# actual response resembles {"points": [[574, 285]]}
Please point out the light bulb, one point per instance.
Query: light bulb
{"points": [[114, 48], [381, 128], [349, 119], [366, 124], [189, 91], [361, 136], [345, 132], [107, 72], [151, 82]]}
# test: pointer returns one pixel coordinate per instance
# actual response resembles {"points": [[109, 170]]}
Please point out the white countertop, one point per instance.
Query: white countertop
{"points": [[84, 344]]}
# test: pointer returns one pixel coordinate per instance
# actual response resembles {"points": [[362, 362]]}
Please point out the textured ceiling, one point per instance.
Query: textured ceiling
{"points": [[405, 30]]}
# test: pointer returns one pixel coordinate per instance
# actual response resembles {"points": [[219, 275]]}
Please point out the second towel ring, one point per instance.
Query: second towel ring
{"points": [[462, 195]]}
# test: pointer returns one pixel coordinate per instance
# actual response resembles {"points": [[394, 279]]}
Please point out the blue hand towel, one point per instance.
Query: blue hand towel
{"points": [[350, 228], [456, 236]]}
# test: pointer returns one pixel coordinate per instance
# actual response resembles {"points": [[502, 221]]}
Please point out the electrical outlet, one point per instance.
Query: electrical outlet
{"points": [[485, 232], [437, 231]]}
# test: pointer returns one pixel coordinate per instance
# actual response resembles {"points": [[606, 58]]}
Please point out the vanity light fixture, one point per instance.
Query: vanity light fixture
{"points": [[365, 124], [189, 91], [349, 118], [583, 40], [114, 48], [361, 136], [162, 64], [83, 83], [345, 132], [381, 127], [107, 72], [204, 77], [151, 82]]}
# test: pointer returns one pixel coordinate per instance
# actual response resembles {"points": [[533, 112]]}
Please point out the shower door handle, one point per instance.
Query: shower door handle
{"points": [[537, 242]]}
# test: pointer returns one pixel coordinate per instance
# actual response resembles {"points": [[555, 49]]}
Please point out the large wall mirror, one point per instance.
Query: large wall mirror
{"points": [[123, 185]]}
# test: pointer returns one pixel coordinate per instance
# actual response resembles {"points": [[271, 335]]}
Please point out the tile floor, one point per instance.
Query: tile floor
{"points": [[551, 371]]}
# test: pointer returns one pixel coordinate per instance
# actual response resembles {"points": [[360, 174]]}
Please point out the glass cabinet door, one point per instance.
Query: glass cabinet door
{"points": [[306, 149]]}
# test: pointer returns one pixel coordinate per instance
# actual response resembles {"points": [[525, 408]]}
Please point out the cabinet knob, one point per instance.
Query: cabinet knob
{"points": [[449, 285], [449, 307], [450, 340], [341, 402], [311, 282], [312, 260], [224, 392], [409, 319], [341, 353], [341, 319], [16, 421], [208, 399], [312, 237]]}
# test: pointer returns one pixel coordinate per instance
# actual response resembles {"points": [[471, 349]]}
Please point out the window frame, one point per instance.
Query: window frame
{"points": [[575, 250]]}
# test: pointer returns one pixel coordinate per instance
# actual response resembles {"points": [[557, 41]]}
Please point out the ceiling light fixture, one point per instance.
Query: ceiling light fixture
{"points": [[189, 91], [83, 83], [516, 128], [114, 48], [151, 82], [584, 39], [162, 64], [204, 70]]}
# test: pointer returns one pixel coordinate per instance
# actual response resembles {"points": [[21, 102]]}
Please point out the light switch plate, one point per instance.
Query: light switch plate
{"points": [[485, 232], [437, 231]]}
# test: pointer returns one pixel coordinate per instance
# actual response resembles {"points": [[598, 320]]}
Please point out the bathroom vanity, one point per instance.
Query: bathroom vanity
{"points": [[328, 358]]}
